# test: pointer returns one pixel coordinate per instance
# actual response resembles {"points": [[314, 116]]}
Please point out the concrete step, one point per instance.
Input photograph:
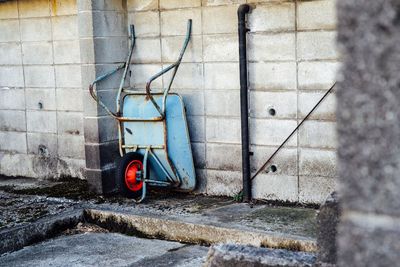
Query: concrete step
{"points": [[195, 229]]}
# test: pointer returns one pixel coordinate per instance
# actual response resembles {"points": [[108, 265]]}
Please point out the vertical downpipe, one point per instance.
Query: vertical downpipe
{"points": [[244, 108]]}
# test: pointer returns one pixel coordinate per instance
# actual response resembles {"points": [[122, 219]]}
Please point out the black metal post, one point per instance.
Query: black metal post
{"points": [[244, 108]]}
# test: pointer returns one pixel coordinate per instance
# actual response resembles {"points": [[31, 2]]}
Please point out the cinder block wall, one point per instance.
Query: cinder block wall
{"points": [[292, 62], [41, 122]]}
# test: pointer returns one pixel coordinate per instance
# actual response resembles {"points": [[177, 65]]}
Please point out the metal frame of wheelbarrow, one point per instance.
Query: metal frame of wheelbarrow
{"points": [[173, 180]]}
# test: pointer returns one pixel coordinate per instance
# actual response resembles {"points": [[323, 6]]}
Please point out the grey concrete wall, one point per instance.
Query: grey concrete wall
{"points": [[292, 62], [41, 123], [369, 133], [51, 50], [104, 43]]}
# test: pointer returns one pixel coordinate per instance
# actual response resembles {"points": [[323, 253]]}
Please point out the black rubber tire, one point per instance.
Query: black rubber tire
{"points": [[120, 175]]}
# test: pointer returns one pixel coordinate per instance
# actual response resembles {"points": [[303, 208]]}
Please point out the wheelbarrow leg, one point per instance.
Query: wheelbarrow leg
{"points": [[145, 174]]}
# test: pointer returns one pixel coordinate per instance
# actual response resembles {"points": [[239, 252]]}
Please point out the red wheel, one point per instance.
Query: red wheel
{"points": [[126, 175], [131, 180]]}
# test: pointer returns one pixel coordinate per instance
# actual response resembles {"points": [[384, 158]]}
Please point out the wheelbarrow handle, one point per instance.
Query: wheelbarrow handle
{"points": [[173, 66], [93, 93], [124, 66]]}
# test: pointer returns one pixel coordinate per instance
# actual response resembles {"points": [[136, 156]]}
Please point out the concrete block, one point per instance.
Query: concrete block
{"points": [[9, 31], [14, 142], [272, 132], [239, 255], [100, 129], [9, 10], [12, 98], [41, 121], [368, 240], [171, 4], [42, 144], [220, 48], [174, 22], [141, 73], [40, 99], [275, 187], [318, 134], [282, 105], [271, 47], [109, 24], [69, 123], [69, 167], [34, 8], [64, 7], [316, 15], [222, 103], [87, 52], [221, 2], [273, 18], [317, 45], [196, 128], [91, 108], [14, 164], [147, 51], [39, 76], [223, 183], [12, 120], [36, 29], [171, 49], [71, 146], [214, 71], [66, 52], [327, 223], [68, 76], [317, 75], [199, 155], [142, 5], [65, 28], [85, 25], [224, 157], [314, 162], [201, 181], [223, 130], [110, 50], [89, 72], [189, 76], [69, 99], [368, 129], [268, 1], [102, 5], [100, 156], [221, 19], [147, 24], [10, 53], [40, 53], [315, 189], [285, 161], [325, 111], [280, 75], [193, 101], [11, 76]]}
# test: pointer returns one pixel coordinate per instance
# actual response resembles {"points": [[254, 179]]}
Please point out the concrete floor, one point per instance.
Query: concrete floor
{"points": [[106, 249], [164, 215]]}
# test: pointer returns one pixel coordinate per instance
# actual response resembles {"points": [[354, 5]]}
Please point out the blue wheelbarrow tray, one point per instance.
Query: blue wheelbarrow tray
{"points": [[170, 160]]}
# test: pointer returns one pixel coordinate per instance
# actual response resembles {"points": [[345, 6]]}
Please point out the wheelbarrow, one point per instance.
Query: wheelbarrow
{"points": [[153, 134]]}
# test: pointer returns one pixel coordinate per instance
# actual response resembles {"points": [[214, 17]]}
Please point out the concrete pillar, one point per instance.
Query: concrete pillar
{"points": [[104, 43], [368, 115]]}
